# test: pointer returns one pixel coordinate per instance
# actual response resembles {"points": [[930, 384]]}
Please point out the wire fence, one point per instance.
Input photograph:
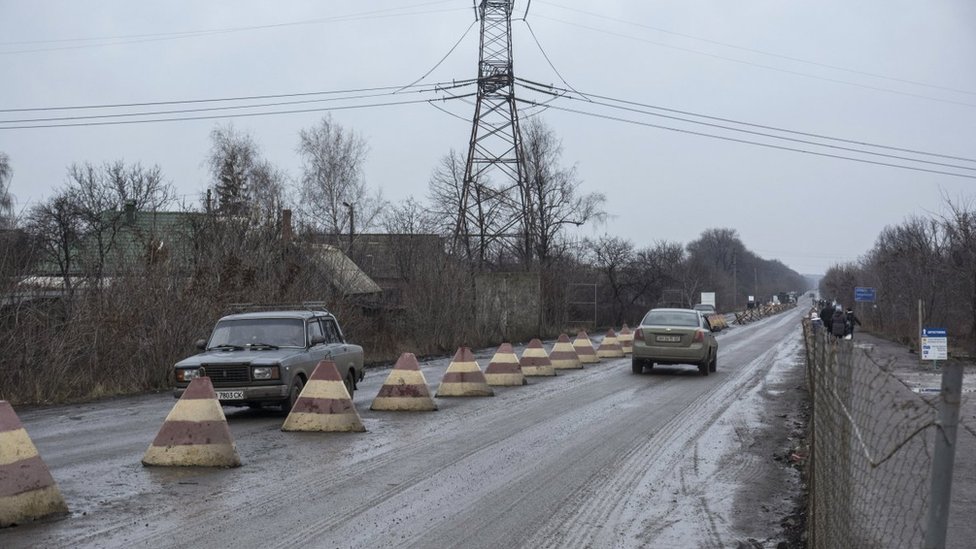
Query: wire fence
{"points": [[871, 448]]}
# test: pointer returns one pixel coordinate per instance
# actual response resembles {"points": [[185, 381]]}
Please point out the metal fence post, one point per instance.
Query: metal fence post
{"points": [[945, 453]]}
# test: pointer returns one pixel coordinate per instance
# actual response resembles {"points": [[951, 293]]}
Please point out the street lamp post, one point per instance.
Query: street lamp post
{"points": [[352, 223]]}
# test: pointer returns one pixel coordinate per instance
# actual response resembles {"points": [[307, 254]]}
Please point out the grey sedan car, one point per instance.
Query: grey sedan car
{"points": [[675, 336]]}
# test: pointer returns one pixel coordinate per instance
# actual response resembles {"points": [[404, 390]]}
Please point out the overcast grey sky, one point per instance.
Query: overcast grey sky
{"points": [[894, 72]]}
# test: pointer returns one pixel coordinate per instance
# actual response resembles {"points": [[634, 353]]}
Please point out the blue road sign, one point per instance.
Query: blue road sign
{"points": [[934, 332], [864, 294]]}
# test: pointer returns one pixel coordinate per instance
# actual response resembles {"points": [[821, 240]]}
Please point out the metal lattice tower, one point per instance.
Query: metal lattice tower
{"points": [[496, 143]]}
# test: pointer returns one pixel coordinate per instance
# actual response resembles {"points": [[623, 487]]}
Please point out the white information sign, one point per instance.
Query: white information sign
{"points": [[935, 344]]}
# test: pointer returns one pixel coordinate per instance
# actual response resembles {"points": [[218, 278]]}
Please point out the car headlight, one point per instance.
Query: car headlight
{"points": [[186, 375], [265, 372]]}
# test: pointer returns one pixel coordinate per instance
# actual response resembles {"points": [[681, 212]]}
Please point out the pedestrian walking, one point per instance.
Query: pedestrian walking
{"points": [[850, 319], [826, 314], [838, 322]]}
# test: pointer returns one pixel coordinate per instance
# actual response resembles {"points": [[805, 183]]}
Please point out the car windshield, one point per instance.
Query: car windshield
{"points": [[704, 307], [671, 318], [250, 332]]}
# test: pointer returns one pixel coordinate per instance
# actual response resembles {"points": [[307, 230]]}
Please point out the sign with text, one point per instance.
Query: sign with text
{"points": [[935, 344], [862, 293]]}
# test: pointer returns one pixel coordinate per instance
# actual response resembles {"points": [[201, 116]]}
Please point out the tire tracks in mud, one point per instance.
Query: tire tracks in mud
{"points": [[605, 514]]}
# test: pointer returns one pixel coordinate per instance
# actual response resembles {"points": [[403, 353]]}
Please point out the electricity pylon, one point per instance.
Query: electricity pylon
{"points": [[496, 144]]}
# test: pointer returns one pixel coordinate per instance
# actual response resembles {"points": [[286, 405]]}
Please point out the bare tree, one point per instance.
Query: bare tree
{"points": [[491, 215], [334, 195], [56, 226], [103, 199], [613, 256], [6, 200], [553, 194]]}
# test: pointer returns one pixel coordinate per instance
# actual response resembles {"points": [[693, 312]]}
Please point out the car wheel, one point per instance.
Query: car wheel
{"points": [[637, 366], [294, 393], [703, 367], [714, 364], [350, 383]]}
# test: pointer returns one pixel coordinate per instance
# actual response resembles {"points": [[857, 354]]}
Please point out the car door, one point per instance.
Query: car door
{"points": [[316, 353], [344, 357]]}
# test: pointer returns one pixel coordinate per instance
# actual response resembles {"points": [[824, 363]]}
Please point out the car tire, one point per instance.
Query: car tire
{"points": [[713, 366], [703, 367], [637, 366], [350, 383], [293, 394]]}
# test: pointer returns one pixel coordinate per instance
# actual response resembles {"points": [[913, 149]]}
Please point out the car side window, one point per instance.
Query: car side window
{"points": [[314, 329], [331, 331]]}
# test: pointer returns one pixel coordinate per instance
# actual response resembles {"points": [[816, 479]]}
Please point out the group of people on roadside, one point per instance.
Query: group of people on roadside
{"points": [[836, 320]]}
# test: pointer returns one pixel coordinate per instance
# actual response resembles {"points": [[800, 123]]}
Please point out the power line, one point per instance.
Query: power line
{"points": [[749, 142], [761, 52], [446, 55], [223, 99], [784, 138], [231, 115], [544, 54], [158, 37], [589, 97], [207, 109], [762, 66]]}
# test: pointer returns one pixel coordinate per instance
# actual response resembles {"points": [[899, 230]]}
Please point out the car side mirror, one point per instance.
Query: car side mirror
{"points": [[201, 344], [317, 340]]}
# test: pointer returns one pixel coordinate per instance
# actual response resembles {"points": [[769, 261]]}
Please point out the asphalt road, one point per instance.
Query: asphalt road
{"points": [[591, 458]]}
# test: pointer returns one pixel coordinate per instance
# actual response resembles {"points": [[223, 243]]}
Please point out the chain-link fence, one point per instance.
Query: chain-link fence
{"points": [[871, 443]]}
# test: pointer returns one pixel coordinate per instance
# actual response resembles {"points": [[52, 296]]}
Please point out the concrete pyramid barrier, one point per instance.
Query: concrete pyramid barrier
{"points": [[610, 346], [464, 377], [626, 339], [405, 389], [504, 369], [584, 349], [563, 355], [324, 404], [535, 361], [27, 489], [195, 432]]}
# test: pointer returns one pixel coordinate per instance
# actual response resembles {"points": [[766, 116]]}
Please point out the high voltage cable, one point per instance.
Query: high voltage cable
{"points": [[760, 65], [239, 98], [588, 97], [210, 109], [749, 142], [780, 137], [544, 54], [235, 115], [446, 55], [158, 37], [761, 52]]}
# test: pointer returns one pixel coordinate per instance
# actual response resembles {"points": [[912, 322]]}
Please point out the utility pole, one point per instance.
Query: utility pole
{"points": [[735, 283], [495, 144], [352, 225]]}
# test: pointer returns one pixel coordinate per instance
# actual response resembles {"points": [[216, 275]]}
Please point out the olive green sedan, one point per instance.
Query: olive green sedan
{"points": [[675, 336]]}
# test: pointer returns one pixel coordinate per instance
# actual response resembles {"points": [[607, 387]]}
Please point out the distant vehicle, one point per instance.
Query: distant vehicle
{"points": [[675, 336], [706, 309], [259, 358]]}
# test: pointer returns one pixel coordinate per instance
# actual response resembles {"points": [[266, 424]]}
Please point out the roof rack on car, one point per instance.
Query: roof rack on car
{"points": [[319, 306]]}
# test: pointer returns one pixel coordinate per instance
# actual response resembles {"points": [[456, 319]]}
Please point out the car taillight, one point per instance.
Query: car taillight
{"points": [[639, 334], [699, 337]]}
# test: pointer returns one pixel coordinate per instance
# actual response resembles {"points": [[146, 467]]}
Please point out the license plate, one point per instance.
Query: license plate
{"points": [[230, 395], [668, 339]]}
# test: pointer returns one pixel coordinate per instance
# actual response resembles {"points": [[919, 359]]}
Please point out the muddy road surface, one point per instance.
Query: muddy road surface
{"points": [[591, 458]]}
